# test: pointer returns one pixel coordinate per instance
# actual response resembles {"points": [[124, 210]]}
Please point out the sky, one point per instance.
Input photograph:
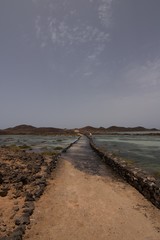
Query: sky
{"points": [[73, 63]]}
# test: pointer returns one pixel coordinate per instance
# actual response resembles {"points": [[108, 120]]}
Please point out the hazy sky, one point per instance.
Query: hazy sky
{"points": [[71, 63]]}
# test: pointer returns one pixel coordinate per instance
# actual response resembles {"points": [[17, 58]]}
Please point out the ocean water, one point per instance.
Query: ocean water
{"points": [[141, 150], [37, 143]]}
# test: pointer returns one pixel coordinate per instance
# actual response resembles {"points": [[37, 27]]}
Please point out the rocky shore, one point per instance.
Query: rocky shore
{"points": [[31, 130], [85, 199], [145, 184], [23, 178]]}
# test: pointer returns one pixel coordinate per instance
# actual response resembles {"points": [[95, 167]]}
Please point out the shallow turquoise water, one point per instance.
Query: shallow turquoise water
{"points": [[37, 143], [143, 150]]}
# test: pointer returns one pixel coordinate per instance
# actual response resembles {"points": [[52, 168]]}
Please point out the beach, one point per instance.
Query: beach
{"points": [[81, 198], [86, 200]]}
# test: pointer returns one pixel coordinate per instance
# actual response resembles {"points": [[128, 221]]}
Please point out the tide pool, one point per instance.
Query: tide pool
{"points": [[142, 150], [37, 143]]}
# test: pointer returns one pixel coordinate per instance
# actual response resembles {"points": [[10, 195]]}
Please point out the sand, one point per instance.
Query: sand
{"points": [[85, 200]]}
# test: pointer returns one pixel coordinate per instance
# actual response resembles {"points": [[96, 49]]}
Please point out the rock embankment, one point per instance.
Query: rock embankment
{"points": [[145, 184], [23, 178], [86, 200]]}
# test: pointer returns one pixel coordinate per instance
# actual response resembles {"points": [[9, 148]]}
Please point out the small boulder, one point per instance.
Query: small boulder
{"points": [[1, 178], [3, 192]]}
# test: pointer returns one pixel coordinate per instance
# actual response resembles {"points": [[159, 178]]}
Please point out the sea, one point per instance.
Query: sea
{"points": [[37, 143], [141, 149]]}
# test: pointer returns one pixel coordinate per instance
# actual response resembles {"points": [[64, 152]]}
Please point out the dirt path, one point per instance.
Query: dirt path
{"points": [[84, 201]]}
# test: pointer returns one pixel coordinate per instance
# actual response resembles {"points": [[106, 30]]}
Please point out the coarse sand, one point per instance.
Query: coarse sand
{"points": [[85, 200]]}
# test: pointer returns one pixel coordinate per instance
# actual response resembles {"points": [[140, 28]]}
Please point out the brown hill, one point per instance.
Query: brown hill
{"points": [[31, 130], [102, 130], [124, 129], [88, 129], [28, 129], [22, 127]]}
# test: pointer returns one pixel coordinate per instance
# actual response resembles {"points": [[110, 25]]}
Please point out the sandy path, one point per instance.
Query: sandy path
{"points": [[84, 201]]}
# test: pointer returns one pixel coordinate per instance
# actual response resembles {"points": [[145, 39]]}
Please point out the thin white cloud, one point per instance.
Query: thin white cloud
{"points": [[38, 26], [145, 76], [62, 32], [97, 51], [40, 32], [74, 30], [104, 12]]}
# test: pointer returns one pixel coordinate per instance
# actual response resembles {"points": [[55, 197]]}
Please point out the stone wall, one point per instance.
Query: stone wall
{"points": [[28, 177], [145, 184], [70, 145]]}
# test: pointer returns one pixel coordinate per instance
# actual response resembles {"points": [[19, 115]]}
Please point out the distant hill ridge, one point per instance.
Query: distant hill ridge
{"points": [[22, 127], [116, 129], [28, 129]]}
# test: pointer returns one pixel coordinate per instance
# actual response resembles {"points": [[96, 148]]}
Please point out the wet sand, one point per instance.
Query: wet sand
{"points": [[86, 200]]}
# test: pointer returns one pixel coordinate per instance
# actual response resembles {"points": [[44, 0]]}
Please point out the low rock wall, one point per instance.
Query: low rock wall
{"points": [[39, 184], [70, 145], [145, 184]]}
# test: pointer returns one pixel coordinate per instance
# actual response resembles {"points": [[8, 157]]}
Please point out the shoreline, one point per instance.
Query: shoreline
{"points": [[146, 184], [25, 177], [84, 200], [23, 180]]}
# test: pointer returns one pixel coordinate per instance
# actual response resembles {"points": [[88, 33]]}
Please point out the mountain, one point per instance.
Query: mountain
{"points": [[28, 129], [124, 129], [113, 129], [88, 129], [22, 127], [31, 130]]}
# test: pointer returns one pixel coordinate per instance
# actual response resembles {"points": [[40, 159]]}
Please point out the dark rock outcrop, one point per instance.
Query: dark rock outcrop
{"points": [[28, 129], [23, 179]]}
